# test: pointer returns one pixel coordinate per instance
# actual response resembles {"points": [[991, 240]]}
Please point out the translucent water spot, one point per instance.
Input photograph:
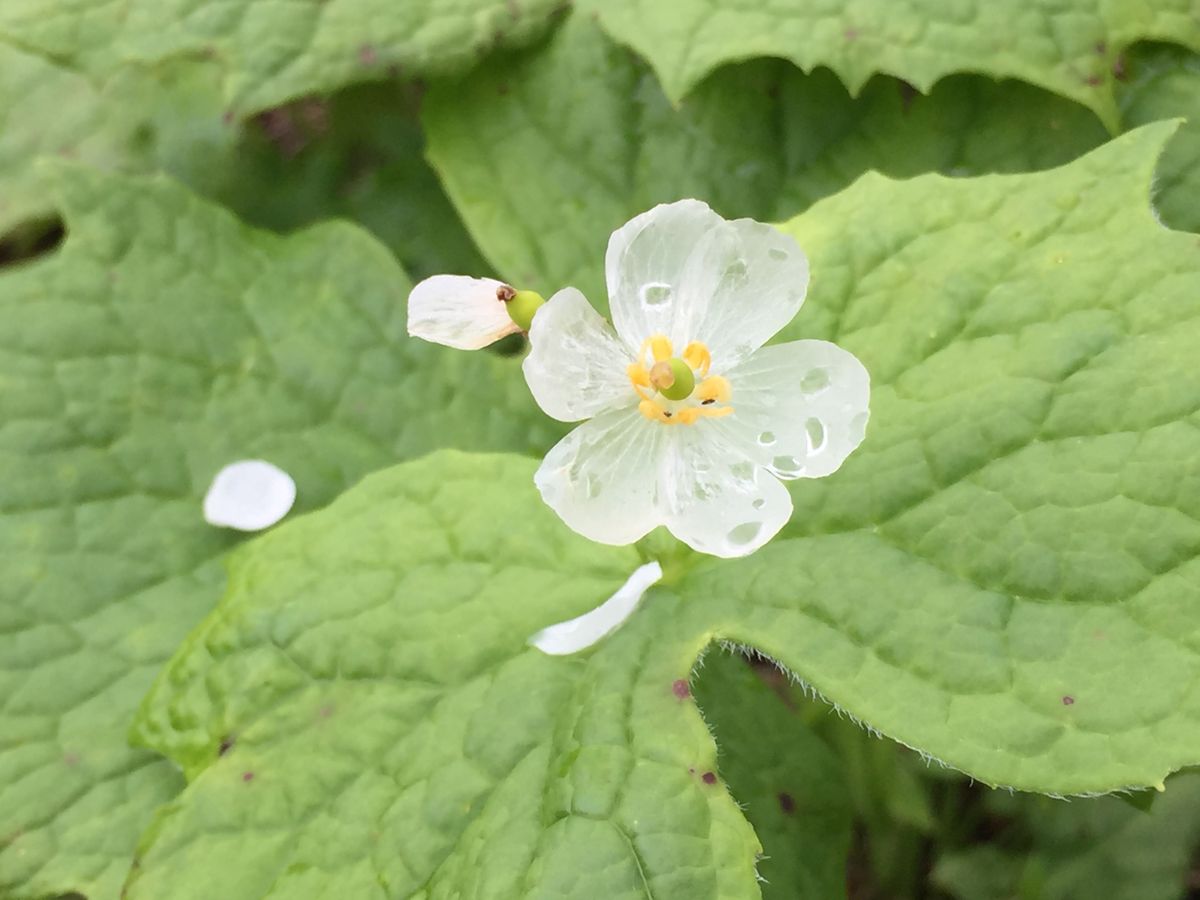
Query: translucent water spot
{"points": [[743, 472], [741, 535], [814, 381], [767, 438], [777, 253], [815, 429], [594, 486], [858, 426], [787, 465], [655, 294], [735, 271], [759, 503]]}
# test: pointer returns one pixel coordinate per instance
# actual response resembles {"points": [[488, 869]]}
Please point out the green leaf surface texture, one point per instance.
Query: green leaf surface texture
{"points": [[163, 341], [274, 52], [1070, 47], [1003, 576], [364, 705]]}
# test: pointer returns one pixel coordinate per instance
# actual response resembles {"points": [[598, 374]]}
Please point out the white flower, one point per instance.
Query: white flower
{"points": [[692, 421], [249, 495], [468, 313]]}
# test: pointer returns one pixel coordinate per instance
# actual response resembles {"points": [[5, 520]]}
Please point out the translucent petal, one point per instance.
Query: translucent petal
{"points": [[683, 271], [600, 478], [459, 312], [799, 408], [715, 499], [584, 631], [249, 495], [576, 367]]}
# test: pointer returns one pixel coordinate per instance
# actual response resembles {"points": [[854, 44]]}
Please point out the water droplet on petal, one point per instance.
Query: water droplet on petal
{"points": [[787, 465], [744, 534], [815, 381], [767, 438], [655, 294], [776, 253], [817, 435]]}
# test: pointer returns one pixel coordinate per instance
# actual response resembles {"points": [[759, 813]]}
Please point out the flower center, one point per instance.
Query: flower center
{"points": [[668, 385]]}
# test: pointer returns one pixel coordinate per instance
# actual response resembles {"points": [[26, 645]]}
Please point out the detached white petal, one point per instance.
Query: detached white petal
{"points": [[249, 495], [682, 271], [459, 312], [601, 478], [576, 367], [584, 631]]}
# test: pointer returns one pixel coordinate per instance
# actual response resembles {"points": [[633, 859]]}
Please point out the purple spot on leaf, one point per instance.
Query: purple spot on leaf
{"points": [[681, 689], [1068, 700], [709, 778], [786, 803]]}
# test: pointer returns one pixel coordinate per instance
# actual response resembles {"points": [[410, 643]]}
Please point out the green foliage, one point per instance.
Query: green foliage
{"points": [[163, 341], [270, 53], [1003, 577], [1022, 499], [387, 729], [1070, 47], [1086, 848], [547, 157]]}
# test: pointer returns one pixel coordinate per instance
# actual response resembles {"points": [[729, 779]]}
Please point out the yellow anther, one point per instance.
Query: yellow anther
{"points": [[697, 356], [714, 389], [660, 348], [652, 410], [638, 375]]}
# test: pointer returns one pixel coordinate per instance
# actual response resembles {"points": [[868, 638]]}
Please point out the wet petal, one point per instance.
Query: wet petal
{"points": [[576, 367], [600, 478], [459, 312], [249, 495], [584, 631], [715, 499], [799, 408], [683, 271]]}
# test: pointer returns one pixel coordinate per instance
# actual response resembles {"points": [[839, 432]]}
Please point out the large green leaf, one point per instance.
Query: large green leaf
{"points": [[1001, 576], [544, 158], [362, 714], [1099, 847], [1021, 514], [1071, 47], [141, 118], [164, 340], [270, 53]]}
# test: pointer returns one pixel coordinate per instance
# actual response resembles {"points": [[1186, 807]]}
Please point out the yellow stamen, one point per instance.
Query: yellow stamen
{"points": [[714, 389], [653, 384], [697, 356]]}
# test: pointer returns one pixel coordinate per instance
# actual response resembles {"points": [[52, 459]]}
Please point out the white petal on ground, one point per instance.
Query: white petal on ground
{"points": [[799, 408], [601, 478], [459, 312], [715, 499], [683, 271], [249, 495], [577, 367], [584, 631]]}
